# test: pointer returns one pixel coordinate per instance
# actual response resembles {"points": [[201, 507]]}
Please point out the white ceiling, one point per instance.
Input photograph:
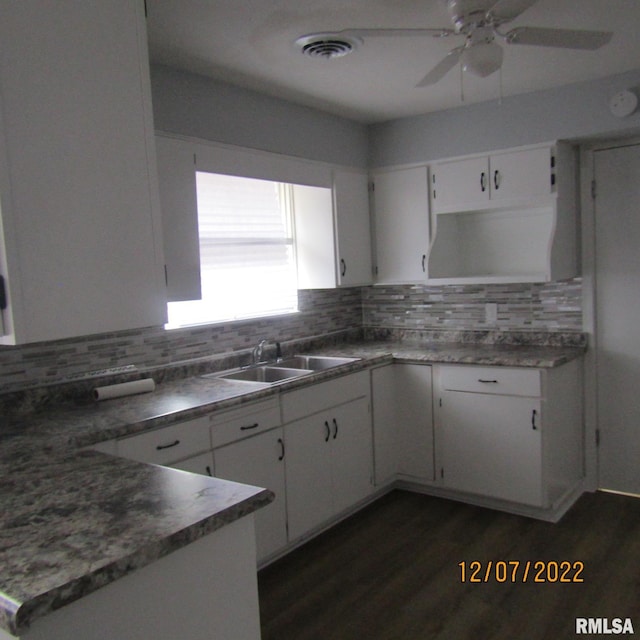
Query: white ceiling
{"points": [[250, 43]]}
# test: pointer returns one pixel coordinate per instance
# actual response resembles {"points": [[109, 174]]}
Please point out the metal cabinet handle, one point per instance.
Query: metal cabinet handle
{"points": [[3, 294], [281, 443], [175, 443], [335, 429], [424, 258], [255, 425], [328, 428], [483, 182], [534, 413], [343, 267], [496, 179], [209, 471], [487, 381]]}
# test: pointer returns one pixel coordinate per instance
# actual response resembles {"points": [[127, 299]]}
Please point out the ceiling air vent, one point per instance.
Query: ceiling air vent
{"points": [[326, 45]]}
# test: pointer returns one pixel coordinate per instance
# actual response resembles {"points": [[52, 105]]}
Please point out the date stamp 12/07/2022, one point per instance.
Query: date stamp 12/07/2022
{"points": [[516, 571], [549, 572]]}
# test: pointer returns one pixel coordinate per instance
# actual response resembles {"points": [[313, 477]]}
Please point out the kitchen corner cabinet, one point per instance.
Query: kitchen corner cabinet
{"points": [[403, 423], [328, 462], [81, 248], [510, 434], [401, 225], [333, 232], [505, 217]]}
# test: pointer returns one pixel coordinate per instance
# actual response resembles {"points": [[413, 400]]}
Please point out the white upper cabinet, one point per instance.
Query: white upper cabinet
{"points": [[401, 214], [481, 182], [333, 232], [506, 217], [178, 197], [352, 227], [81, 247], [460, 184]]}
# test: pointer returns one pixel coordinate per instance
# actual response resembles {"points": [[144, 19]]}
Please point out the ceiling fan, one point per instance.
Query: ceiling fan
{"points": [[479, 22]]}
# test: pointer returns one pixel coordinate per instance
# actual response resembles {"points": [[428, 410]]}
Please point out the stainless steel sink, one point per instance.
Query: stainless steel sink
{"points": [[265, 373], [313, 363], [273, 373]]}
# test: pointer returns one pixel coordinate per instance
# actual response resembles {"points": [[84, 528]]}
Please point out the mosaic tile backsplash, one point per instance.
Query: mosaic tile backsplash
{"points": [[522, 307], [555, 306]]}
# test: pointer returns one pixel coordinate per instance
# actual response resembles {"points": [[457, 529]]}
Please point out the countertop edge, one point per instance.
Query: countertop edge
{"points": [[18, 616]]}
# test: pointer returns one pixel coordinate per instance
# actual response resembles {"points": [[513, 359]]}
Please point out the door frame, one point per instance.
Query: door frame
{"points": [[589, 295]]}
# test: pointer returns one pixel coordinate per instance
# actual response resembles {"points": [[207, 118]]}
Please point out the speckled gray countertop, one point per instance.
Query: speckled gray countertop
{"points": [[74, 520]]}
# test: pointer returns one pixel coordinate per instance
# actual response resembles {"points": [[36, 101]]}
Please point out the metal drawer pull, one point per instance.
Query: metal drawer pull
{"points": [[250, 426], [281, 443], [335, 429], [208, 468], [533, 420], [487, 381], [343, 267], [328, 428], [175, 443]]}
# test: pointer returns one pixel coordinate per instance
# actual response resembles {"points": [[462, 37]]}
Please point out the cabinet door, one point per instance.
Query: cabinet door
{"points": [[385, 423], [259, 461], [315, 241], [401, 206], [308, 473], [353, 228], [460, 184], [202, 464], [82, 219], [351, 454], [492, 446], [414, 407], [521, 175], [178, 197]]}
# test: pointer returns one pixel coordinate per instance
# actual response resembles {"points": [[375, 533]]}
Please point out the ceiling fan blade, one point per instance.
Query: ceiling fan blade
{"points": [[442, 68], [563, 38], [506, 10], [386, 33]]}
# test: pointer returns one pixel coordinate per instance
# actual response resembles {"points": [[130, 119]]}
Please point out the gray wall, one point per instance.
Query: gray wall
{"points": [[573, 112], [193, 105]]}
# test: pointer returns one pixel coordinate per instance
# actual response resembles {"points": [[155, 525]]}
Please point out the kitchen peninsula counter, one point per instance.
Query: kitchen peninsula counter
{"points": [[73, 520]]}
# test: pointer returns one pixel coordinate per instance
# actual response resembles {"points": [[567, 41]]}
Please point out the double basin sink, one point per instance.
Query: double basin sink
{"points": [[283, 370]]}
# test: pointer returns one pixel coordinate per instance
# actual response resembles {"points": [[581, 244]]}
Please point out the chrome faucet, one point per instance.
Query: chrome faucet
{"points": [[257, 353]]}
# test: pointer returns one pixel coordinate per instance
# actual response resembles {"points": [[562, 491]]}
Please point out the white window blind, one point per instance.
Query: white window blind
{"points": [[247, 257]]}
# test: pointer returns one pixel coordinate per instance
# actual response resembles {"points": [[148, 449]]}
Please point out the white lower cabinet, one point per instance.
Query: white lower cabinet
{"points": [[329, 455], [259, 461], [509, 434], [202, 464], [403, 423], [491, 447], [167, 445], [328, 465]]}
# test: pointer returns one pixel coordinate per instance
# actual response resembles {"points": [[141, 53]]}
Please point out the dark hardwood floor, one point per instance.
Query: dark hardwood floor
{"points": [[391, 572]]}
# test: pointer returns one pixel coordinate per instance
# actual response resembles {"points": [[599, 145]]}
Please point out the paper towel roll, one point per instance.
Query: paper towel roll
{"points": [[124, 389]]}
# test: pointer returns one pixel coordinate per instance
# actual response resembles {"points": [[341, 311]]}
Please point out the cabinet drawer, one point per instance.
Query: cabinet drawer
{"points": [[247, 421], [321, 396], [166, 445], [497, 380]]}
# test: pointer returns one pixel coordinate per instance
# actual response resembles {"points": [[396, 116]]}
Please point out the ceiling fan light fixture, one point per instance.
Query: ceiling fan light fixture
{"points": [[482, 59]]}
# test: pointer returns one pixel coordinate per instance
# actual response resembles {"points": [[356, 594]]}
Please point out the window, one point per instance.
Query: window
{"points": [[247, 259]]}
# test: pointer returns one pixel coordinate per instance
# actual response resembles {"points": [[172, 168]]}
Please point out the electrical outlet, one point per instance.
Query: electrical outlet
{"points": [[491, 312]]}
